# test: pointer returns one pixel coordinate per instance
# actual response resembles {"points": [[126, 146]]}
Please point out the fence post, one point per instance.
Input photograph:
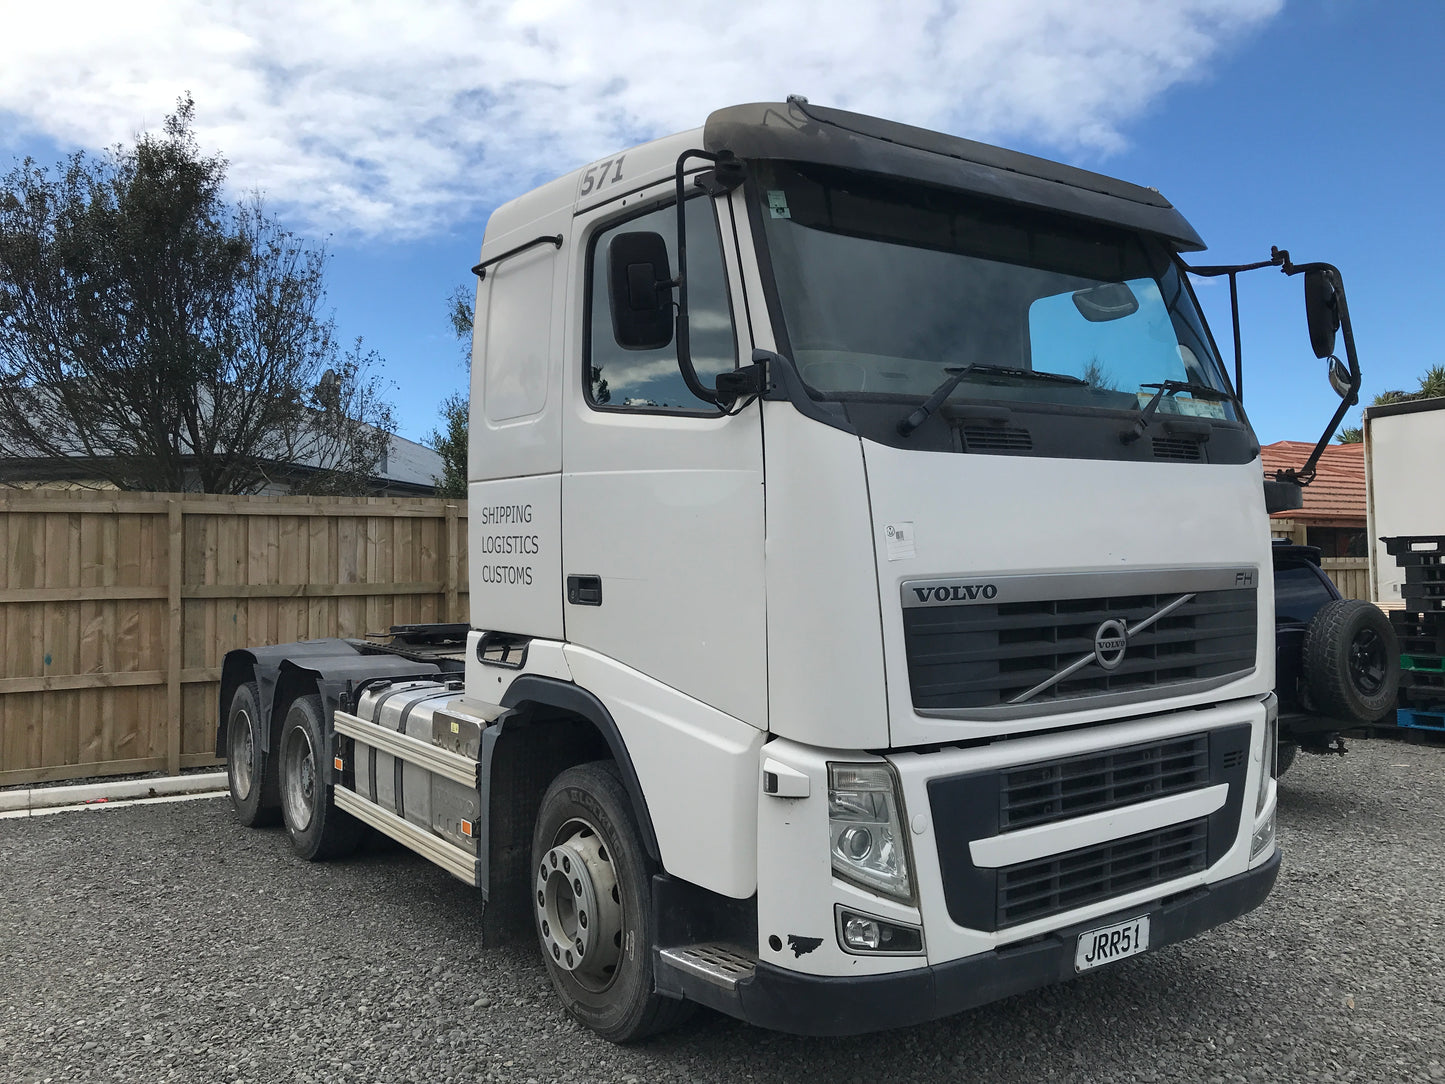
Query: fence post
{"points": [[174, 555], [449, 573]]}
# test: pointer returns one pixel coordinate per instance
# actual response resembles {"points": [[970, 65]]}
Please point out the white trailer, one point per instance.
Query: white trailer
{"points": [[1404, 452], [870, 589]]}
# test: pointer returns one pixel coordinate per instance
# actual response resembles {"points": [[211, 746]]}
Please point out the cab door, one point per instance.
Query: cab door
{"points": [[662, 524]]}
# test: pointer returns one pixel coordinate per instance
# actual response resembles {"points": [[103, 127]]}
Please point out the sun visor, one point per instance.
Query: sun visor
{"points": [[808, 133]]}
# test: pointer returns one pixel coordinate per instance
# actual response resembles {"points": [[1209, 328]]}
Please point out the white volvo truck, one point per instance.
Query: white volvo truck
{"points": [[870, 590]]}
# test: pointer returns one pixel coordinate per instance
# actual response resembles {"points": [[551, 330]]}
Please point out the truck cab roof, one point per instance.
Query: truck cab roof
{"points": [[798, 132]]}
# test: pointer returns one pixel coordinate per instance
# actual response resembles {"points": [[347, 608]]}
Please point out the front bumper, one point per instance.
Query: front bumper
{"points": [[813, 1005]]}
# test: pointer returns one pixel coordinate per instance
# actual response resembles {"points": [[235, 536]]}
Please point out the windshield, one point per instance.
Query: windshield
{"points": [[888, 289]]}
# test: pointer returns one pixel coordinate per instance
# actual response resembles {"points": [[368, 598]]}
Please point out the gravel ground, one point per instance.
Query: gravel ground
{"points": [[163, 942]]}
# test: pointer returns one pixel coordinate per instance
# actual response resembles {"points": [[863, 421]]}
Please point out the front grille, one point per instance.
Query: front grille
{"points": [[987, 654], [994, 803], [1059, 789], [1050, 886]]}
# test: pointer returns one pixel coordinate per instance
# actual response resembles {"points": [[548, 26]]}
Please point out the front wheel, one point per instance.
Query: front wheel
{"points": [[318, 829], [591, 897]]}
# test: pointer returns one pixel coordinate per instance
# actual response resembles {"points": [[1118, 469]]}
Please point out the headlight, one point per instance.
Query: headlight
{"points": [[1270, 755], [865, 829]]}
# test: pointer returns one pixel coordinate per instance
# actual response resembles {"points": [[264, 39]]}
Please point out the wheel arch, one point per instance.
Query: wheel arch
{"points": [[535, 701], [547, 726]]}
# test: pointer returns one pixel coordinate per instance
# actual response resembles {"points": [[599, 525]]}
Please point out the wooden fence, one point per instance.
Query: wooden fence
{"points": [[1351, 575], [116, 610]]}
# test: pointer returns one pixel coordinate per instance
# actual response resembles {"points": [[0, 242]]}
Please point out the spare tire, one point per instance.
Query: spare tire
{"points": [[1351, 661]]}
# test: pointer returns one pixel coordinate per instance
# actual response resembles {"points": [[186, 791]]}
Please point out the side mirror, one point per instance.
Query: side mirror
{"points": [[1322, 311], [1107, 301], [1339, 377], [1282, 496], [639, 287]]}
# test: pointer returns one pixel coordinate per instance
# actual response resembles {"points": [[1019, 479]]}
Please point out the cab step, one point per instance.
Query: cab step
{"points": [[721, 964]]}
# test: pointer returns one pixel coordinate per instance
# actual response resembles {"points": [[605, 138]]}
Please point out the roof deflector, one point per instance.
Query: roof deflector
{"points": [[800, 132]]}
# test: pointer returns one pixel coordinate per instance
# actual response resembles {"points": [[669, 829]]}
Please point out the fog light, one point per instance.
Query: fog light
{"points": [[865, 934], [861, 933], [1263, 837]]}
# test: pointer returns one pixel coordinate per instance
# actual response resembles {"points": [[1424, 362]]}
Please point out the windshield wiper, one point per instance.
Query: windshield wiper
{"points": [[907, 425], [1169, 387]]}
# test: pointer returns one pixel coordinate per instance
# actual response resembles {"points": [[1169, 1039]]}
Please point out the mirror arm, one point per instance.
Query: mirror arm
{"points": [[1232, 271], [683, 336], [1279, 257], [1238, 347]]}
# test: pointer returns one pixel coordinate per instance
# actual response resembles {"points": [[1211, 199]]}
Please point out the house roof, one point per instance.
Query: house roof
{"points": [[1337, 495]]}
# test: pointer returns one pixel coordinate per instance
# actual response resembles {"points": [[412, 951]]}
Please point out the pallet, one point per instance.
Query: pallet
{"points": [[1422, 574], [1429, 590], [1414, 545], [1422, 663], [1407, 561], [1420, 720], [1414, 626]]}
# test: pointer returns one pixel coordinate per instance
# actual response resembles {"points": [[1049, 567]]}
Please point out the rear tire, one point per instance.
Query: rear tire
{"points": [[249, 768], [1351, 661], [591, 885], [318, 829]]}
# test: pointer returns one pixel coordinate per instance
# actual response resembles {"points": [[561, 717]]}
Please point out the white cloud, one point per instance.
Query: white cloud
{"points": [[389, 118]]}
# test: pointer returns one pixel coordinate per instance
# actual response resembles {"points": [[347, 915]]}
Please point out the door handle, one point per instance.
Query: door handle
{"points": [[584, 590]]}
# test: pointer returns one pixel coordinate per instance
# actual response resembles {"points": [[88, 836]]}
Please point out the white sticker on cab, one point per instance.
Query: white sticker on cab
{"points": [[900, 541]]}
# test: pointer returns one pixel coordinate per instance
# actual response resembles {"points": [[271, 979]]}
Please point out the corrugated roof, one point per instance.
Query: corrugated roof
{"points": [[1338, 491]]}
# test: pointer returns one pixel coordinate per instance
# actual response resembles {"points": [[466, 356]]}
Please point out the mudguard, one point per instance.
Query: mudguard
{"points": [[335, 666]]}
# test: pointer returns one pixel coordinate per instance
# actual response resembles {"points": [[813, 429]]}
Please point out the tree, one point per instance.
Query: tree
{"points": [[170, 339], [451, 443], [1432, 386], [451, 440]]}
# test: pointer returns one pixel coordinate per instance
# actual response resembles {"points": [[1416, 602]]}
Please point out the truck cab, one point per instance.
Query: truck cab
{"points": [[871, 609]]}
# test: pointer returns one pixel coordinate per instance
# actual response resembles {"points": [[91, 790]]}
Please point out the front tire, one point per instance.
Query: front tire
{"points": [[250, 770], [592, 901], [318, 829]]}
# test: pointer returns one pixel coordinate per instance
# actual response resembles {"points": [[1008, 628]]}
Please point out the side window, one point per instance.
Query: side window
{"points": [[651, 379]]}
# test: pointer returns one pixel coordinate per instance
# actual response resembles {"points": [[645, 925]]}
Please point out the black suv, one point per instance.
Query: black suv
{"points": [[1337, 662]]}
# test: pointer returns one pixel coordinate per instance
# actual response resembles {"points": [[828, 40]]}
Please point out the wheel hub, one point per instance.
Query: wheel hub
{"points": [[243, 751], [299, 779], [1367, 662], [578, 906]]}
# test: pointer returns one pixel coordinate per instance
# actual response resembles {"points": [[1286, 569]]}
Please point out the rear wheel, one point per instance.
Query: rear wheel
{"points": [[318, 829], [249, 769], [591, 897], [1352, 661]]}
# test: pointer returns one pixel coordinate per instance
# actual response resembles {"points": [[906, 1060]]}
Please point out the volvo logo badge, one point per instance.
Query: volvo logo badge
{"points": [[1111, 640]]}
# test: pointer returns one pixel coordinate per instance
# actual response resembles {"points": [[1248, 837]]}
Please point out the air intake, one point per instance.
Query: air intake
{"points": [[1186, 451], [996, 438]]}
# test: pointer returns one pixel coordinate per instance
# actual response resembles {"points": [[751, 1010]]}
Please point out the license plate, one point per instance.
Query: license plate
{"points": [[1111, 943]]}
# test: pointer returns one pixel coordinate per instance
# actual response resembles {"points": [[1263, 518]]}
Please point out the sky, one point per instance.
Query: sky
{"points": [[390, 131]]}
